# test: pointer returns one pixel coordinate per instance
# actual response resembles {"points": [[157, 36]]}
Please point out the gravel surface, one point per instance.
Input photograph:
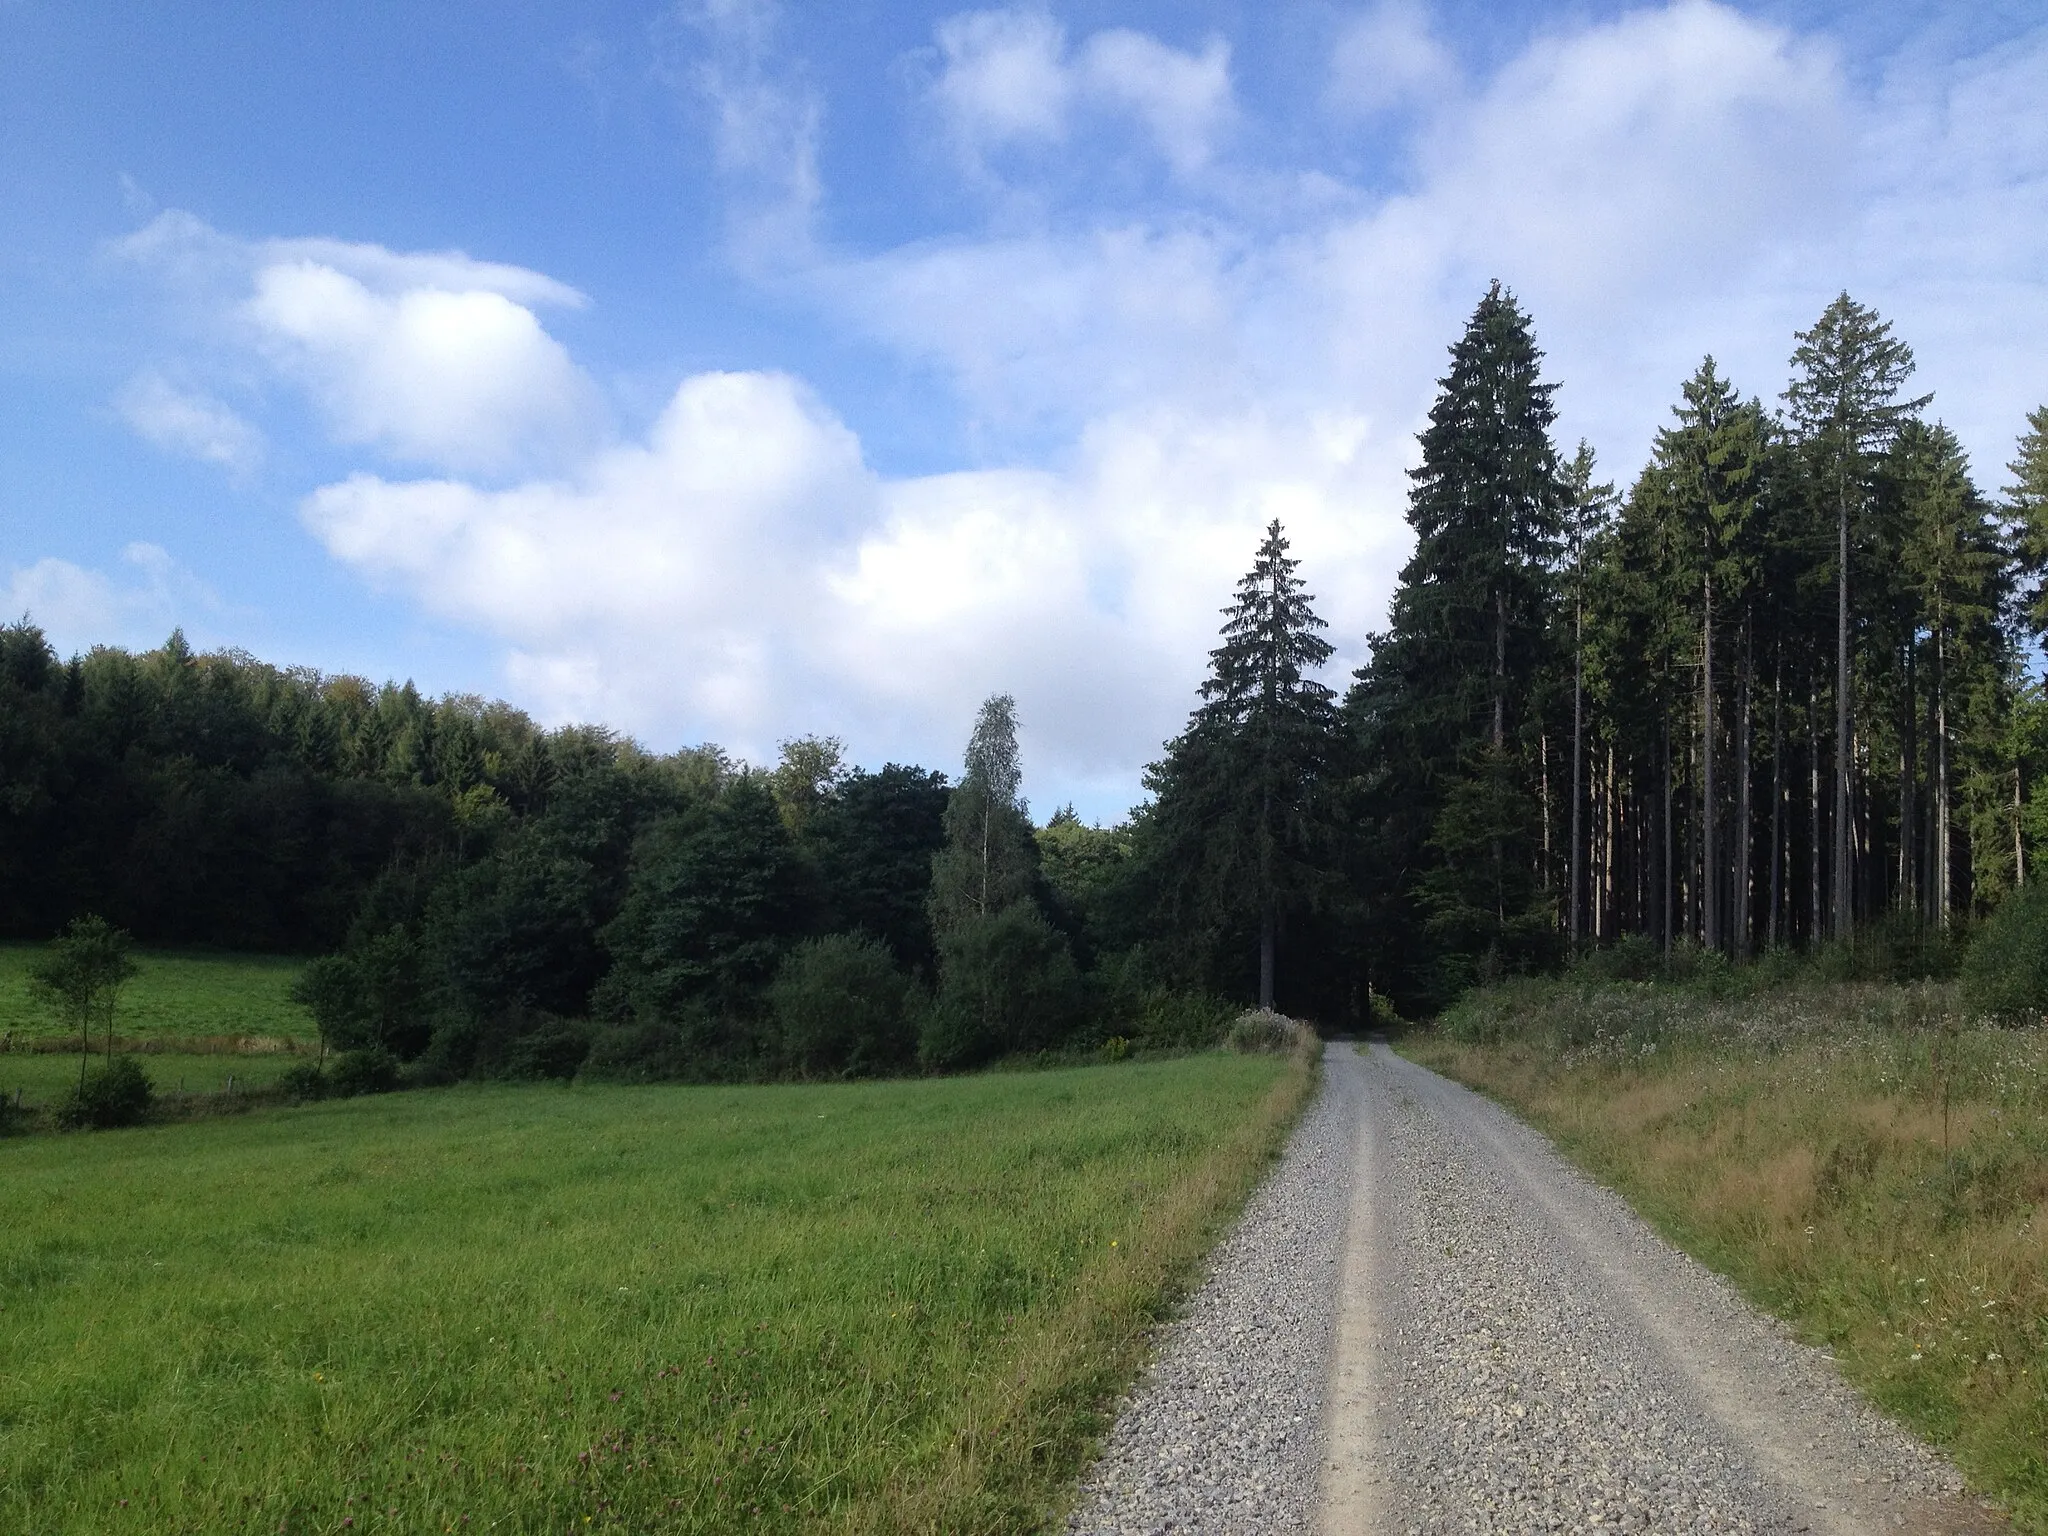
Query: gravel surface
{"points": [[1224, 1433], [1428, 1322]]}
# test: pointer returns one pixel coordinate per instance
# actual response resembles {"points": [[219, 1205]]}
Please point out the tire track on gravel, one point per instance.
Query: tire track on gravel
{"points": [[1489, 1342]]}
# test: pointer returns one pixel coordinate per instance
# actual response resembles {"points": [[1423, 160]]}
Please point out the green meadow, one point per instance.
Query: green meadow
{"points": [[862, 1307], [177, 995]]}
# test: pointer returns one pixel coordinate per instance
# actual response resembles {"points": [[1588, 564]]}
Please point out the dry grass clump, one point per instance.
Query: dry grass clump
{"points": [[1862, 1159]]}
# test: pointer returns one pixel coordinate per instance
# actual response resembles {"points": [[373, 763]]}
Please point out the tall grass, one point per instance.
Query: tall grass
{"points": [[887, 1306], [1861, 1158]]}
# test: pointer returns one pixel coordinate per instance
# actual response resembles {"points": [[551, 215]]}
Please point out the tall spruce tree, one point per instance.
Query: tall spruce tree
{"points": [[2027, 506], [1238, 824], [1589, 508], [1443, 712], [1846, 410], [1704, 477]]}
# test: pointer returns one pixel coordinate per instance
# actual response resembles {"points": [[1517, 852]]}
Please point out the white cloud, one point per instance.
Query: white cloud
{"points": [[1674, 180], [1007, 78], [190, 422], [1388, 59], [464, 380], [1183, 98], [78, 608], [744, 571], [764, 123], [431, 357]]}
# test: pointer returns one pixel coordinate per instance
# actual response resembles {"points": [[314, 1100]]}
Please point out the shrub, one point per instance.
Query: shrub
{"points": [[120, 1093], [555, 1050], [10, 1112], [372, 1070], [635, 1053], [1632, 957], [1261, 1029], [839, 1004], [1006, 983], [303, 1084], [2005, 972]]}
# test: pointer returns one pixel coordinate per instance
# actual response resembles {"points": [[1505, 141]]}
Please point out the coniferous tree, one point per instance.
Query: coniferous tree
{"points": [[2027, 505], [1588, 509], [1442, 713], [1845, 407], [1237, 827], [1703, 479]]}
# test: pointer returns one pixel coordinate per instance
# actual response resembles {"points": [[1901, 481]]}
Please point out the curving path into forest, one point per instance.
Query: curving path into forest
{"points": [[1428, 1322]]}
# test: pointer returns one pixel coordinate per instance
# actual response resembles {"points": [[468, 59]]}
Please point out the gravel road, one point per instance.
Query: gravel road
{"points": [[1428, 1322]]}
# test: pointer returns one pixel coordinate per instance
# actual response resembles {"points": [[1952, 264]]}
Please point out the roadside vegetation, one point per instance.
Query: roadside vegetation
{"points": [[1865, 1158], [897, 1306]]}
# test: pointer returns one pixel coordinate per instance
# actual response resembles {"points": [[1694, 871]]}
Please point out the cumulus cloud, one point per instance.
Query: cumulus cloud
{"points": [[430, 357], [1007, 77], [744, 569], [1388, 59], [189, 422], [78, 607], [1149, 385]]}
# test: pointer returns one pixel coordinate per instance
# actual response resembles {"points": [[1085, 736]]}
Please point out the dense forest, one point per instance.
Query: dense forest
{"points": [[1775, 695]]}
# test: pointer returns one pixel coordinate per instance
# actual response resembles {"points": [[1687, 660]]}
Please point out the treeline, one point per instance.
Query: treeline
{"points": [[490, 897], [1775, 695]]}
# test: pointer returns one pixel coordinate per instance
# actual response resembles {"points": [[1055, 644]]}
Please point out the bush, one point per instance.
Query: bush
{"points": [[2005, 972], [839, 1004], [635, 1053], [11, 1112], [1261, 1029], [1632, 957], [556, 1049], [120, 1093], [303, 1084], [1006, 983], [372, 1070]]}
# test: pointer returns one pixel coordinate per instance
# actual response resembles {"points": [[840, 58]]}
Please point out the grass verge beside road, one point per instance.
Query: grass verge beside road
{"points": [[890, 1306], [1859, 1159]]}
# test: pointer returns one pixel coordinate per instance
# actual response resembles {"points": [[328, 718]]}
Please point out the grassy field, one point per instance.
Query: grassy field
{"points": [[178, 995], [1858, 1158], [889, 1306]]}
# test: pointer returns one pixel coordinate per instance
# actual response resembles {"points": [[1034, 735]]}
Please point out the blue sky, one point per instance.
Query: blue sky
{"points": [[732, 370]]}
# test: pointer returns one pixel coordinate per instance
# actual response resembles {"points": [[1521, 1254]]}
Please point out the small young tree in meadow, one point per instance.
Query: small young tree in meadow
{"points": [[989, 858], [80, 976]]}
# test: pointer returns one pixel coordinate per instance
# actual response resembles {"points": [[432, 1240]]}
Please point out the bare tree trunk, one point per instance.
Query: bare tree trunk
{"points": [[1845, 871], [1909, 751], [1776, 925], [1577, 875], [1817, 925], [1666, 873], [1265, 958], [1710, 861], [1942, 863], [1740, 862]]}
